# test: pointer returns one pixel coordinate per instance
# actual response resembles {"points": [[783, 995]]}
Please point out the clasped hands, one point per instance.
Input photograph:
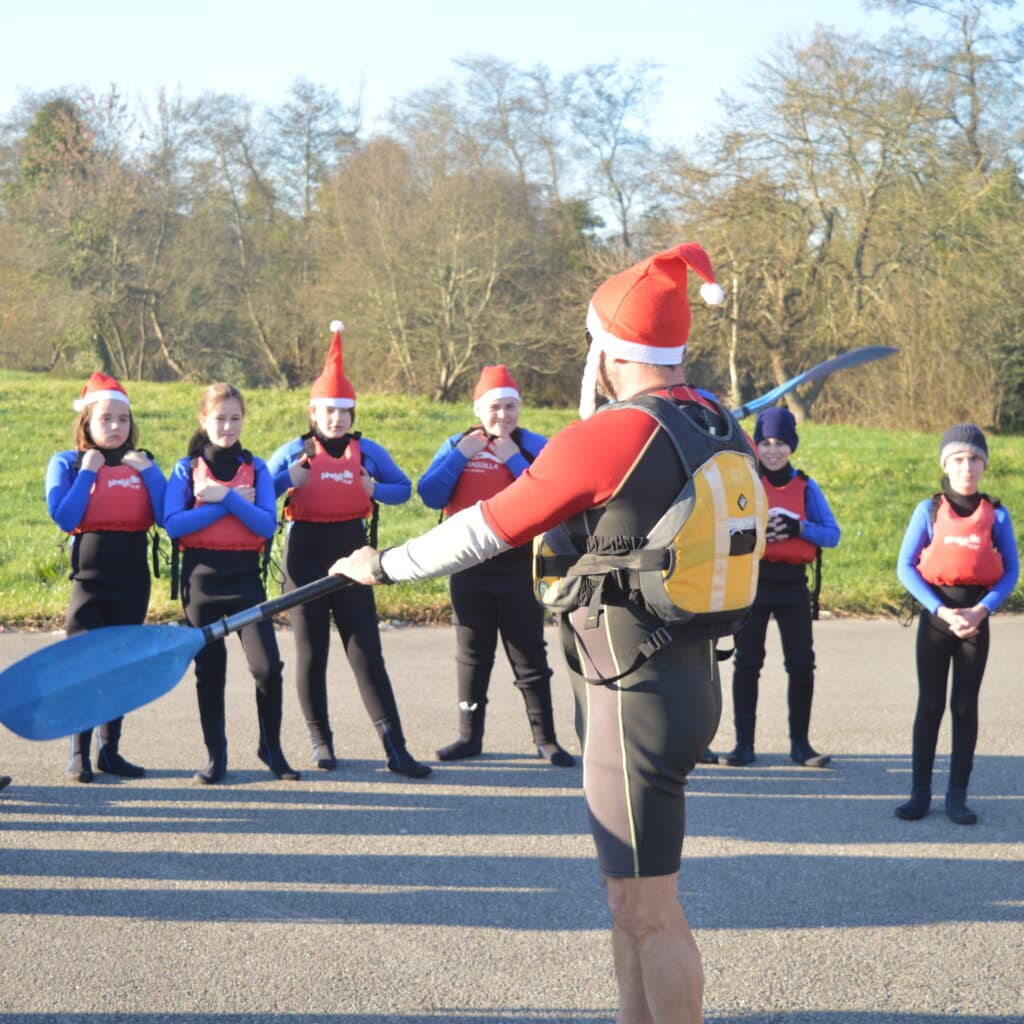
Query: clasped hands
{"points": [[963, 622]]}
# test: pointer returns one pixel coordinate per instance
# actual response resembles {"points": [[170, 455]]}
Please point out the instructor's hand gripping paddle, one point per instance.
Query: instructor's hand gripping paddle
{"points": [[95, 677]]}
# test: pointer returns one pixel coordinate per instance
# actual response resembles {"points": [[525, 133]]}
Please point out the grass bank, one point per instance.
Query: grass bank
{"points": [[871, 477]]}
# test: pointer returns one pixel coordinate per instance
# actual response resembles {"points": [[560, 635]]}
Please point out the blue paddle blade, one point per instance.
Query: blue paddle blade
{"points": [[92, 678], [843, 361]]}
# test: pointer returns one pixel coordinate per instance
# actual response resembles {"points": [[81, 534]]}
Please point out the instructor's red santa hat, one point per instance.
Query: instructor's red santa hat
{"points": [[643, 315], [332, 388], [98, 388], [494, 384]]}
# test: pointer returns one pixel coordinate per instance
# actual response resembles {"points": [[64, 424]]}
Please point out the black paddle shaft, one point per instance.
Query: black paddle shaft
{"points": [[310, 592]]}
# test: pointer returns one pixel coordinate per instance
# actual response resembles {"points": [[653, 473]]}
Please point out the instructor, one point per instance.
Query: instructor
{"points": [[643, 723]]}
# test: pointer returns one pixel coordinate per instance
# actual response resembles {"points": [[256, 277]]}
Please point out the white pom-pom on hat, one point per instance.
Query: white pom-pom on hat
{"points": [[337, 325], [712, 293]]}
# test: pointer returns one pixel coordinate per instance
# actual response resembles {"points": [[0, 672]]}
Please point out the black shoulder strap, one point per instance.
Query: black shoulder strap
{"points": [[190, 501], [816, 586], [517, 436], [933, 507]]}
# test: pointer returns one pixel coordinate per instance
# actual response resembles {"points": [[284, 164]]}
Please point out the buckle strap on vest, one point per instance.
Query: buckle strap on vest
{"points": [[593, 564], [655, 641]]}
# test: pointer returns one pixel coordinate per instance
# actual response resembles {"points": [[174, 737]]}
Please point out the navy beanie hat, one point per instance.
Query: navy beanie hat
{"points": [[963, 437], [776, 422]]}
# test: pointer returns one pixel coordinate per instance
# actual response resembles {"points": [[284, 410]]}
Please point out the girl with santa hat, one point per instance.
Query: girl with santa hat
{"points": [[106, 494], [221, 510], [495, 597], [333, 478]]}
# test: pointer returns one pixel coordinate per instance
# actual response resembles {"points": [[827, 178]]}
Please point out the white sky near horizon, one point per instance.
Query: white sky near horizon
{"points": [[257, 49]]}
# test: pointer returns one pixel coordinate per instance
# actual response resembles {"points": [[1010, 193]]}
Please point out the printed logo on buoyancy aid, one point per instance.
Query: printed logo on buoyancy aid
{"points": [[700, 561], [483, 476], [118, 502], [334, 492], [228, 533], [790, 499], [961, 552]]}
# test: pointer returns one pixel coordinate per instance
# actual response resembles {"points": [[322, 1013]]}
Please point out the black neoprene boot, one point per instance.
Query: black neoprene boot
{"points": [[801, 752], [956, 807], [471, 733], [109, 760], [559, 757], [400, 760], [918, 804], [216, 768], [79, 767], [740, 755], [268, 707], [323, 755], [273, 757]]}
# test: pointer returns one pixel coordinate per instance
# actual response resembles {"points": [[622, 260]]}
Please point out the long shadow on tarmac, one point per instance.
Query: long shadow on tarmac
{"points": [[750, 892], [804, 879], [476, 1016], [772, 801], [852, 801]]}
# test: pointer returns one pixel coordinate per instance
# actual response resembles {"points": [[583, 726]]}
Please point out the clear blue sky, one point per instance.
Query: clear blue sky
{"points": [[258, 48]]}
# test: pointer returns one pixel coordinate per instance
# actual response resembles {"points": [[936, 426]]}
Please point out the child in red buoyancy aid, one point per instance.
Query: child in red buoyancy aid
{"points": [[959, 560], [495, 598], [107, 495], [221, 509], [333, 476], [799, 522]]}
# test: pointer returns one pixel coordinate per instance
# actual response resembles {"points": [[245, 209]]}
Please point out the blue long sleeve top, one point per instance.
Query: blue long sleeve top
{"points": [[392, 486], [438, 482], [181, 517], [919, 535], [68, 489]]}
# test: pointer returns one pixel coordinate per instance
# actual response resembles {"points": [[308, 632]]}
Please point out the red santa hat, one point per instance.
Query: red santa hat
{"points": [[332, 388], [495, 383], [98, 388], [643, 315]]}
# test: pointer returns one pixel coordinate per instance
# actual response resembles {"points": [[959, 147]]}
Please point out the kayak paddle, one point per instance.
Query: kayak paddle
{"points": [[97, 676], [843, 361]]}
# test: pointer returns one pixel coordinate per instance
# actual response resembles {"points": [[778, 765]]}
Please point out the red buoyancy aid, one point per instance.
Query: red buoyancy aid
{"points": [[334, 492], [792, 497], [484, 476], [118, 502], [228, 533], [961, 552]]}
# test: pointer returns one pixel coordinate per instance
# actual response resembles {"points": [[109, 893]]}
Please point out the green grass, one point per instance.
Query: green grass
{"points": [[872, 478]]}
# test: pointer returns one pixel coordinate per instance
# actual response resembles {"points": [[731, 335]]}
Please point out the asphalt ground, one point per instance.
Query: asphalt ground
{"points": [[357, 896]]}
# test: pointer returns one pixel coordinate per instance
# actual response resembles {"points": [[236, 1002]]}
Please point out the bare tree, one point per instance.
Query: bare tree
{"points": [[607, 107]]}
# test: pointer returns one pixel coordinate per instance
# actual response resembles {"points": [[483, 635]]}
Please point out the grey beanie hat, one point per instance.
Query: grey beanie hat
{"points": [[963, 437]]}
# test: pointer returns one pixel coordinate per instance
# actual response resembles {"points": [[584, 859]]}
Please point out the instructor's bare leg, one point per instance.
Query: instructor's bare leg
{"points": [[657, 964]]}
